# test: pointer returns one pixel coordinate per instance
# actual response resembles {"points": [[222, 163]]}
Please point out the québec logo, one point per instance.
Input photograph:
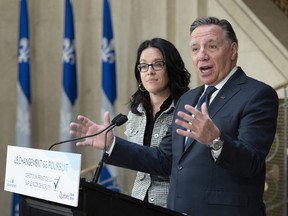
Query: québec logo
{"points": [[11, 183]]}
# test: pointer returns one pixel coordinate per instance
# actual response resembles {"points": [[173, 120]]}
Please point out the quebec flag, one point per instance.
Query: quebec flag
{"points": [[69, 80], [23, 127], [108, 174]]}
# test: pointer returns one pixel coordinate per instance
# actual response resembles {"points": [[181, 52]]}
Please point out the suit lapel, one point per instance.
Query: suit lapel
{"points": [[231, 87], [194, 99], [190, 98]]}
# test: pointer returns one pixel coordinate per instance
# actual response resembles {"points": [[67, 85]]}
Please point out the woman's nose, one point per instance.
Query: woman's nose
{"points": [[150, 70]]}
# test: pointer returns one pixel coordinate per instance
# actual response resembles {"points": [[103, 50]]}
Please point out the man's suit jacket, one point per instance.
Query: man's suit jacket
{"points": [[245, 110]]}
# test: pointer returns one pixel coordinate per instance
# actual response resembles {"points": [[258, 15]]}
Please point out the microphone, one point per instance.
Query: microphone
{"points": [[120, 121], [116, 121]]}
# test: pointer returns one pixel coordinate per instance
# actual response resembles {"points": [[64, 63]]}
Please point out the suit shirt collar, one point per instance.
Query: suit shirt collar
{"points": [[222, 83]]}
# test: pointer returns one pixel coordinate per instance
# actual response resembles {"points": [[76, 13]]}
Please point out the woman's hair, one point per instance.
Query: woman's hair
{"points": [[178, 76]]}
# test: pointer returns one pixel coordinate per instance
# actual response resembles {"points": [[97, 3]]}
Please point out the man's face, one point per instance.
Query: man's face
{"points": [[213, 56]]}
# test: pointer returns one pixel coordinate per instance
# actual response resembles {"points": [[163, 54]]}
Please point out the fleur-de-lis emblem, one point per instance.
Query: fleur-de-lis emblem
{"points": [[68, 51], [108, 51], [24, 51]]}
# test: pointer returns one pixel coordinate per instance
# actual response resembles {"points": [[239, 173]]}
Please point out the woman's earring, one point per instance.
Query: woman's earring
{"points": [[141, 88]]}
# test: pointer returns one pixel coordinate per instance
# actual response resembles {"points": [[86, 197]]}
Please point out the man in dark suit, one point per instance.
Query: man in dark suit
{"points": [[215, 156]]}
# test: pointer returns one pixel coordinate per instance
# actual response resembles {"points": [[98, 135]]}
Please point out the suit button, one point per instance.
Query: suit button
{"points": [[156, 135], [179, 167]]}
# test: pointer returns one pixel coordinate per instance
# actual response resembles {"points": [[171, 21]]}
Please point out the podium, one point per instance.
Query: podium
{"points": [[93, 200]]}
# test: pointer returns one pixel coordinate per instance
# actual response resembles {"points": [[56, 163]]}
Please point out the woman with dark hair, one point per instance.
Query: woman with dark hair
{"points": [[162, 78]]}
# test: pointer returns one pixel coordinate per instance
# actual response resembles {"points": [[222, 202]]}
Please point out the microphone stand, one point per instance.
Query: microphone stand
{"points": [[103, 159], [119, 121]]}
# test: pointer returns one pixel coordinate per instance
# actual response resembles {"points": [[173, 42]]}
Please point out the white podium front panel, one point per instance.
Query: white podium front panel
{"points": [[43, 174]]}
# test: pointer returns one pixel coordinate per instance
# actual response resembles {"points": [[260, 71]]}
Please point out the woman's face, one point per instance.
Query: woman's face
{"points": [[155, 80]]}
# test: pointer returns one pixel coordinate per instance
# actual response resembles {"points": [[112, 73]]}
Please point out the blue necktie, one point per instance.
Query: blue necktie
{"points": [[204, 98]]}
